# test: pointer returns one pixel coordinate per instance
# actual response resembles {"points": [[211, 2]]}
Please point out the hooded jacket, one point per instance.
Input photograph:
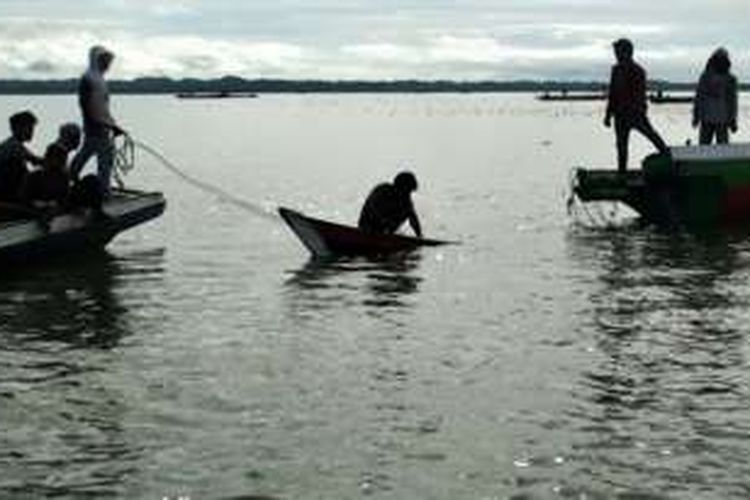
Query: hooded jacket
{"points": [[93, 96], [716, 96]]}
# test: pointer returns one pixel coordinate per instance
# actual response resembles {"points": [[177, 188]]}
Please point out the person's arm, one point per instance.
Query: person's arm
{"points": [[610, 99], [414, 222], [733, 103], [30, 157], [639, 89]]}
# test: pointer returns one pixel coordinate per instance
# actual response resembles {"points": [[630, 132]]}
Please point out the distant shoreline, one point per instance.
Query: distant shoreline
{"points": [[230, 84]]}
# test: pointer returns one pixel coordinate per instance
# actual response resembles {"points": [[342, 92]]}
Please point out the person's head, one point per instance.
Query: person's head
{"points": [[100, 58], [720, 61], [70, 136], [22, 125], [405, 182], [623, 49]]}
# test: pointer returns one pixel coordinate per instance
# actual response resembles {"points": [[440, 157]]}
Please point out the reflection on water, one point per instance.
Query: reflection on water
{"points": [[60, 327], [670, 381], [377, 284]]}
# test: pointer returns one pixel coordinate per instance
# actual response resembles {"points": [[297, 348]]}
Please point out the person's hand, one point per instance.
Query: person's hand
{"points": [[608, 121], [733, 126]]}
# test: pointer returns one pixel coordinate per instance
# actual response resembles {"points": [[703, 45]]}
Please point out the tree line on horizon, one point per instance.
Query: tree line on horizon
{"points": [[232, 84]]}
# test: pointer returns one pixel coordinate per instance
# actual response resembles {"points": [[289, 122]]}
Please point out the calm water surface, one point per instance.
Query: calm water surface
{"points": [[204, 356]]}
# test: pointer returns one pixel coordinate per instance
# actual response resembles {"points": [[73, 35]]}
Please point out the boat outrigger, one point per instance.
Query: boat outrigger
{"points": [[327, 239], [26, 240], [698, 187]]}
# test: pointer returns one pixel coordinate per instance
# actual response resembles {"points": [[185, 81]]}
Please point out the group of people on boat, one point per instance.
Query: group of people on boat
{"points": [[40, 186], [714, 106]]}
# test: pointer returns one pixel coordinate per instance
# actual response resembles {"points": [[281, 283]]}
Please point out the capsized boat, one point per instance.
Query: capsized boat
{"points": [[327, 239], [698, 187], [26, 240]]}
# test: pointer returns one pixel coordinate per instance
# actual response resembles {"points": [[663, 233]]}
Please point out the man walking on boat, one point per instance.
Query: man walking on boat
{"points": [[627, 103], [389, 205], [99, 127]]}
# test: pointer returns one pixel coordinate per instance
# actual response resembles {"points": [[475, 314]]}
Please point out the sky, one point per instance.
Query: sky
{"points": [[370, 39]]}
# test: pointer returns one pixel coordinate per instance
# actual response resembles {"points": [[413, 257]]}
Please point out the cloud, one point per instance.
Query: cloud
{"points": [[469, 39]]}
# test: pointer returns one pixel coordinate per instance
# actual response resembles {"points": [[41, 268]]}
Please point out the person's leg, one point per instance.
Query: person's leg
{"points": [[82, 156], [706, 133], [622, 136], [643, 125], [722, 134], [105, 158]]}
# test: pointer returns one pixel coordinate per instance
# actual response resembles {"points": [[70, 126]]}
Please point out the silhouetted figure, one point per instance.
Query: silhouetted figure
{"points": [[627, 103], [15, 157], [715, 104], [51, 184], [99, 127], [389, 205]]}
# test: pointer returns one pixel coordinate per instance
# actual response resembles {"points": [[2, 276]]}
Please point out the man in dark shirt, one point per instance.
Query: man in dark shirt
{"points": [[627, 103], [14, 157], [51, 183], [389, 205]]}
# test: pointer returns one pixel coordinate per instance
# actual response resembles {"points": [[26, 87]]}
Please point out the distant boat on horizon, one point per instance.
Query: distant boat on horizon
{"points": [[660, 97], [564, 95], [216, 95]]}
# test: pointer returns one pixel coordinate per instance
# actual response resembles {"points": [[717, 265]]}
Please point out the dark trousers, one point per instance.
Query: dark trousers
{"points": [[709, 130], [641, 123]]}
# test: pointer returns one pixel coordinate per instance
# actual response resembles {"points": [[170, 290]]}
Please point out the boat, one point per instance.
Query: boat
{"points": [[30, 240], [572, 96], [216, 95], [328, 239], [695, 187], [660, 98]]}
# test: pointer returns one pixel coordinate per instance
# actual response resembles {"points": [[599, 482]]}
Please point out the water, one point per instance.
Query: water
{"points": [[204, 356]]}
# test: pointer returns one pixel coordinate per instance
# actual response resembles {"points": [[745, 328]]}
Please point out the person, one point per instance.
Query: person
{"points": [[715, 103], [51, 184], [15, 157], [626, 103], [389, 205], [99, 127]]}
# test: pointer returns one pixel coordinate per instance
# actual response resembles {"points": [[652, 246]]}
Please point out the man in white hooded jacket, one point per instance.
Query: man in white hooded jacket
{"points": [[99, 127]]}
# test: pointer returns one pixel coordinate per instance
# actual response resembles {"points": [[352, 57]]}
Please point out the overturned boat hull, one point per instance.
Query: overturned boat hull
{"points": [[327, 239], [28, 240], [699, 187]]}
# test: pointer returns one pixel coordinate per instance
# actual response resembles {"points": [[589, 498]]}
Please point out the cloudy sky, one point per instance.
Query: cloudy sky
{"points": [[370, 39]]}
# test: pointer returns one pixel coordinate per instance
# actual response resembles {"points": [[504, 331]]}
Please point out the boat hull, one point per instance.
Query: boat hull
{"points": [[26, 241], [326, 239], [699, 187]]}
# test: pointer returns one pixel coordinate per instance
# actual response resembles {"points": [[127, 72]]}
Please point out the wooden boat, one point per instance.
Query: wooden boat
{"points": [[698, 187], [327, 239], [29, 240]]}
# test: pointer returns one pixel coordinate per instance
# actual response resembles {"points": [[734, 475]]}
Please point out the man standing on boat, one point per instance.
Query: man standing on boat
{"points": [[715, 103], [99, 127], [389, 205], [627, 103], [15, 157]]}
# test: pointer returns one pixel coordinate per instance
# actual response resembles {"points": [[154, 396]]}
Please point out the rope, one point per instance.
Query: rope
{"points": [[125, 160]]}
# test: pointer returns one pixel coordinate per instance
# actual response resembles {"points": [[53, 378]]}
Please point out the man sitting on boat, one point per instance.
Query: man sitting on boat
{"points": [[15, 157], [50, 187], [627, 103], [389, 205]]}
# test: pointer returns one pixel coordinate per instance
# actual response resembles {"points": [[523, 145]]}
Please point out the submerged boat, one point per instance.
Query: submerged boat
{"points": [[698, 187], [216, 95], [28, 239], [327, 239]]}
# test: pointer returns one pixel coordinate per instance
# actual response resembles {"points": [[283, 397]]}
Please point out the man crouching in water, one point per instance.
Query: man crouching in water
{"points": [[389, 205], [98, 125]]}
